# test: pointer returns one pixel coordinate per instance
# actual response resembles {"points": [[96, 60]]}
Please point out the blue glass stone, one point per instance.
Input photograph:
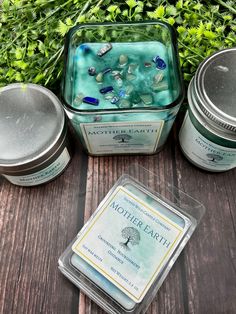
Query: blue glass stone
{"points": [[106, 70], [160, 63], [91, 101], [115, 100], [92, 71], [85, 48], [106, 89], [121, 93]]}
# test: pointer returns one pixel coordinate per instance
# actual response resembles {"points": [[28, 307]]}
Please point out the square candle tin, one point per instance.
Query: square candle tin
{"points": [[126, 249], [122, 86]]}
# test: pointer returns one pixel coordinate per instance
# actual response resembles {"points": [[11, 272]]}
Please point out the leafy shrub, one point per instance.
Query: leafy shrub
{"points": [[32, 32]]}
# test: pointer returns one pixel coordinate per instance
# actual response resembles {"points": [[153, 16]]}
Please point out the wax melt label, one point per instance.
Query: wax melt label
{"points": [[43, 175], [204, 152], [128, 242], [126, 137]]}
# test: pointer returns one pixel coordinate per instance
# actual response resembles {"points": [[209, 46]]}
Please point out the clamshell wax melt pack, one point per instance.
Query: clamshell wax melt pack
{"points": [[122, 86], [124, 252]]}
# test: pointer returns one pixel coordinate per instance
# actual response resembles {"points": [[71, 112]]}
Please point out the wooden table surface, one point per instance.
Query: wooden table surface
{"points": [[37, 224]]}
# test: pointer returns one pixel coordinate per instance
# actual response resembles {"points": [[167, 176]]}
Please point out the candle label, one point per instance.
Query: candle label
{"points": [[204, 152], [43, 175], [126, 137], [128, 242]]}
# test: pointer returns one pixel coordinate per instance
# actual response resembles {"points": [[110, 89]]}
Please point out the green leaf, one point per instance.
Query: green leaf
{"points": [[181, 29], [62, 28], [41, 46], [138, 10], [201, 29], [179, 4], [19, 53], [39, 77], [125, 13], [138, 17], [159, 12], [5, 4], [20, 64], [198, 6], [69, 22], [112, 8], [95, 10], [171, 10], [215, 8], [131, 3], [18, 77], [209, 34], [227, 17], [10, 72], [171, 20]]}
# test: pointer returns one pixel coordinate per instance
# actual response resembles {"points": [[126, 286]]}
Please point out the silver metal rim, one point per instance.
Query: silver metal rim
{"points": [[210, 110], [56, 141], [204, 120]]}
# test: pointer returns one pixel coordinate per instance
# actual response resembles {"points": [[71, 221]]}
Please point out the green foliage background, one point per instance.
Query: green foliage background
{"points": [[32, 32]]}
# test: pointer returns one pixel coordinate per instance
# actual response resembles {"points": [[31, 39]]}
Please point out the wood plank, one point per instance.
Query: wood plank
{"points": [[203, 280], [102, 174], [36, 225], [210, 256]]}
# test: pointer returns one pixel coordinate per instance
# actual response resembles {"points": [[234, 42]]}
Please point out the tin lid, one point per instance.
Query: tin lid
{"points": [[215, 88], [31, 123]]}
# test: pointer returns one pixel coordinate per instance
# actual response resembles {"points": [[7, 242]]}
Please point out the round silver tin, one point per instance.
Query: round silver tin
{"points": [[215, 90], [208, 134], [34, 146]]}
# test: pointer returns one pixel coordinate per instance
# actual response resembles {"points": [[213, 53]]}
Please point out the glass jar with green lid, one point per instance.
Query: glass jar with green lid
{"points": [[208, 133], [122, 86]]}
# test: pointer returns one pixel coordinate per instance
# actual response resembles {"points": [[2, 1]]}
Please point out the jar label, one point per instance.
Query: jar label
{"points": [[122, 137], [204, 152], [129, 242], [43, 175]]}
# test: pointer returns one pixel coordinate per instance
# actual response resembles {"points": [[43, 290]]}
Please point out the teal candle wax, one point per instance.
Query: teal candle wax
{"points": [[133, 81], [122, 79]]}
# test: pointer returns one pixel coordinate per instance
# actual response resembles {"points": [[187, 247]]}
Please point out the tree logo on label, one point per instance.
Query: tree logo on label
{"points": [[131, 236], [214, 157], [122, 138]]}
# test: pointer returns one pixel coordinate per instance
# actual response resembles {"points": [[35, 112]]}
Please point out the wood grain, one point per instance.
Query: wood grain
{"points": [[37, 224], [203, 280]]}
